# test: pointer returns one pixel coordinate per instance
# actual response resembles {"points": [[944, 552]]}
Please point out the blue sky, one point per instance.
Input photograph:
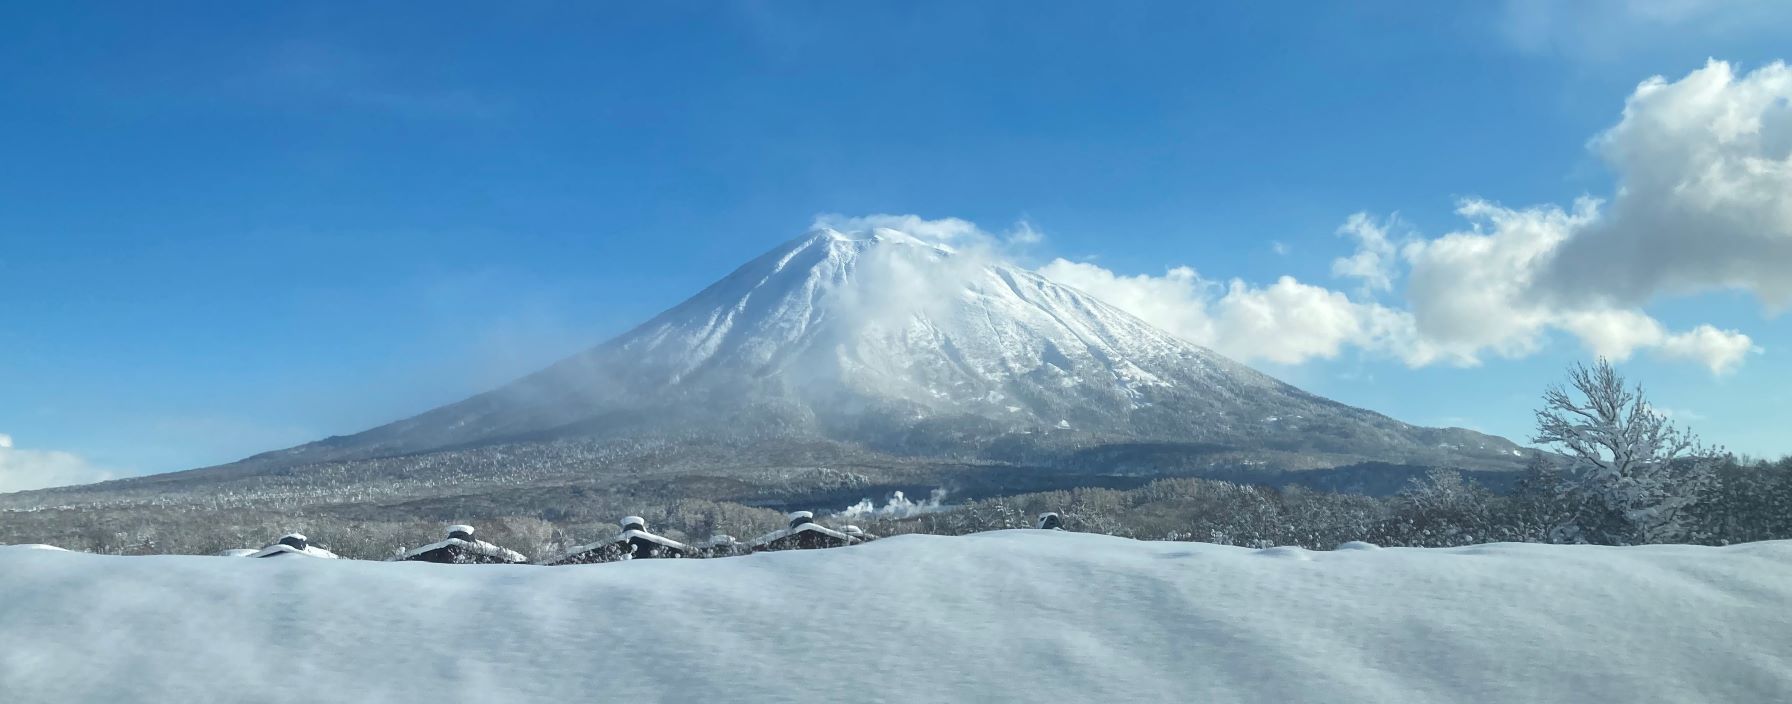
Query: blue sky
{"points": [[232, 228]]}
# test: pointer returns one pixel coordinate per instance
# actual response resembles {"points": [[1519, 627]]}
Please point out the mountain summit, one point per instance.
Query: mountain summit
{"points": [[886, 341]]}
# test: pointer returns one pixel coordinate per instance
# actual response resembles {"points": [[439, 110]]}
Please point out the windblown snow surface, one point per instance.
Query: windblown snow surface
{"points": [[1006, 616]]}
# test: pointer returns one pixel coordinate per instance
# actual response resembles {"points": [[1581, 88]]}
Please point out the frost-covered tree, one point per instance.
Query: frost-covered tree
{"points": [[1442, 509], [1753, 502], [1627, 475]]}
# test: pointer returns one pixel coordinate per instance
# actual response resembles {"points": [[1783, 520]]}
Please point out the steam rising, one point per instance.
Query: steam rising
{"points": [[899, 506]]}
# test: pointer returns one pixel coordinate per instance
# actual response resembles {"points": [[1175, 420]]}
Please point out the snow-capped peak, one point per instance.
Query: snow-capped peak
{"points": [[865, 327], [888, 314]]}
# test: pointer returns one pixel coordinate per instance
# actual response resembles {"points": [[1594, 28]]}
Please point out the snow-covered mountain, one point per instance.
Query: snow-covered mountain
{"points": [[893, 343]]}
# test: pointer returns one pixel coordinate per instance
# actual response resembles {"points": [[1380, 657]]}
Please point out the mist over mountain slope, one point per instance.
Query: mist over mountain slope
{"points": [[881, 339]]}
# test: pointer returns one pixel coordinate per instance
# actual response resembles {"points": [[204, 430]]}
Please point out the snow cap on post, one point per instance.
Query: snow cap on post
{"points": [[295, 541], [1050, 521], [634, 523], [798, 518], [460, 532]]}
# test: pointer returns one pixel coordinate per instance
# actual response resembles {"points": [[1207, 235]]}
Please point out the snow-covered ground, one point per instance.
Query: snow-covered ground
{"points": [[1025, 616]]}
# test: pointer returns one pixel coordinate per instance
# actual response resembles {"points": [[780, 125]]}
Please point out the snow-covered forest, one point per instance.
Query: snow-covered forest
{"points": [[1623, 476], [1747, 502]]}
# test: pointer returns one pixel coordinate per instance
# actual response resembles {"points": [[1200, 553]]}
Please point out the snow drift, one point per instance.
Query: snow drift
{"points": [[1006, 616]]}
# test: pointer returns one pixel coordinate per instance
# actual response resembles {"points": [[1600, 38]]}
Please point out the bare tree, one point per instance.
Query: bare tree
{"points": [[1629, 475]]}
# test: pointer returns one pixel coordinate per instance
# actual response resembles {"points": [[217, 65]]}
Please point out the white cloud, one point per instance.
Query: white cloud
{"points": [[1720, 350], [1176, 302], [1468, 290], [1704, 201], [1704, 168], [1287, 322], [1614, 334], [22, 469], [1488, 289]]}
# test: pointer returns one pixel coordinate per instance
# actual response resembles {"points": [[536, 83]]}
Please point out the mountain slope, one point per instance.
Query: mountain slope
{"points": [[887, 341]]}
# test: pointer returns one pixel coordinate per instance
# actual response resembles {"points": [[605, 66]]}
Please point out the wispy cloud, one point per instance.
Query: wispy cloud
{"points": [[339, 76], [948, 231], [1680, 414], [1606, 30], [1375, 261]]}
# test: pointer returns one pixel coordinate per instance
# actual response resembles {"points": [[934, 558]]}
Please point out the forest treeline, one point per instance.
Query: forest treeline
{"points": [[1619, 474], [1748, 501]]}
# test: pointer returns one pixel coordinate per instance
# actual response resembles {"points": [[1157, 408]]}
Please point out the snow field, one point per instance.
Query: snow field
{"points": [[1004, 616]]}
